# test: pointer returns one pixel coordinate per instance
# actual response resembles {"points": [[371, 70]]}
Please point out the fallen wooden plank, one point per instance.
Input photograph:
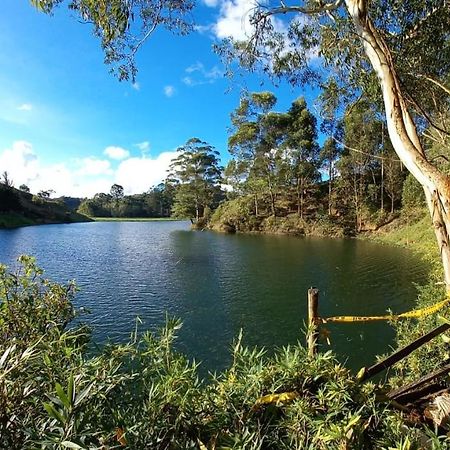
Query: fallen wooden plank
{"points": [[419, 384], [402, 353], [415, 396]]}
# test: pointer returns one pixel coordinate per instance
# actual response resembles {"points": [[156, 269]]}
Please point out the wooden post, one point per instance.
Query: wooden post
{"points": [[313, 323]]}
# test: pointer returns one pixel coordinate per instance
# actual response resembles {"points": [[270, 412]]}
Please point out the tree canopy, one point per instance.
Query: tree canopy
{"points": [[197, 175], [124, 25]]}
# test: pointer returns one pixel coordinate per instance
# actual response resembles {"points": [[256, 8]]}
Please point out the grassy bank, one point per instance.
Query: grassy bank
{"points": [[19, 208], [14, 220], [413, 230], [238, 216]]}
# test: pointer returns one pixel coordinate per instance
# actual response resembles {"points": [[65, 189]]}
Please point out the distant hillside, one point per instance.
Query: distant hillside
{"points": [[19, 208], [71, 202]]}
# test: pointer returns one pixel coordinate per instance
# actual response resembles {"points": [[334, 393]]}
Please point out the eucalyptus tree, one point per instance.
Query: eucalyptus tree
{"points": [[359, 164], [197, 175], [302, 150], [254, 143], [122, 26], [394, 177], [117, 192], [329, 155]]}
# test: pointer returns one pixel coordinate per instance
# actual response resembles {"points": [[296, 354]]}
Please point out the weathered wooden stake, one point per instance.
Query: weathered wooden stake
{"points": [[313, 322]]}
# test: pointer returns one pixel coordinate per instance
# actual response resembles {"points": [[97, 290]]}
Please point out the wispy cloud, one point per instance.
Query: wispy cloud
{"points": [[136, 86], [204, 28], [114, 152], [234, 19], [211, 3], [144, 147], [199, 74], [169, 91], [25, 107]]}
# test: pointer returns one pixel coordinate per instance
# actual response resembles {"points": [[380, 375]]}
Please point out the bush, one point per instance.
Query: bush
{"points": [[236, 215], [9, 199]]}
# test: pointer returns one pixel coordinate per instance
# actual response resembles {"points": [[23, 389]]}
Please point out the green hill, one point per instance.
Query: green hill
{"points": [[19, 208]]}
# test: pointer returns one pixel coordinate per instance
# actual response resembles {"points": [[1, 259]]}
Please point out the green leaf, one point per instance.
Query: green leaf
{"points": [[52, 412], [6, 353], [71, 390], [70, 444], [84, 393], [62, 395]]}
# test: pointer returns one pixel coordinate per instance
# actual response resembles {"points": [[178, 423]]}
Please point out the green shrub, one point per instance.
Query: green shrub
{"points": [[236, 215]]}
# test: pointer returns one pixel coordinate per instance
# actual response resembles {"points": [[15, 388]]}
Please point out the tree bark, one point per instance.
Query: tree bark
{"points": [[402, 130], [271, 195], [330, 182], [382, 169], [302, 198]]}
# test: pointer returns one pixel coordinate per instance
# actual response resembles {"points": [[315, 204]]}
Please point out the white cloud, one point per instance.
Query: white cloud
{"points": [[204, 28], [211, 3], [116, 152], [25, 107], [94, 167], [169, 91], [198, 74], [136, 86], [82, 177], [137, 175], [143, 146], [20, 162], [234, 20], [25, 167]]}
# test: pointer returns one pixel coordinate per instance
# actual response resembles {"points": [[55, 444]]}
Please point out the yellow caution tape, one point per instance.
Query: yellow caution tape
{"points": [[417, 313], [276, 398]]}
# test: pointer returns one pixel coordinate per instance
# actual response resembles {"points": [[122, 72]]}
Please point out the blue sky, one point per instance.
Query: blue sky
{"points": [[67, 124]]}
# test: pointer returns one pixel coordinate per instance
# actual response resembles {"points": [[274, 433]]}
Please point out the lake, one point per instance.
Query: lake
{"points": [[218, 284]]}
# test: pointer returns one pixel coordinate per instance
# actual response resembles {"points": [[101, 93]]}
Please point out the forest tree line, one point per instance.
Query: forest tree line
{"points": [[277, 169]]}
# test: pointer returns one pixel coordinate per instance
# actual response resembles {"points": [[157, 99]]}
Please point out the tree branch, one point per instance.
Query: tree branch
{"points": [[425, 114], [436, 82], [300, 9], [384, 158]]}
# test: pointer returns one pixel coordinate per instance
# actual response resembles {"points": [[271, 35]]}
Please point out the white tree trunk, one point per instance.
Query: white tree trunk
{"points": [[402, 130]]}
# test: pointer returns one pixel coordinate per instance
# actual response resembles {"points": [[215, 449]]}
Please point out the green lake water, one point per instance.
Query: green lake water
{"points": [[218, 284]]}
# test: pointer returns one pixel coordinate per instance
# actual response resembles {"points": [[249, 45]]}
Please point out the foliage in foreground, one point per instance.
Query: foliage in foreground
{"points": [[143, 394]]}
